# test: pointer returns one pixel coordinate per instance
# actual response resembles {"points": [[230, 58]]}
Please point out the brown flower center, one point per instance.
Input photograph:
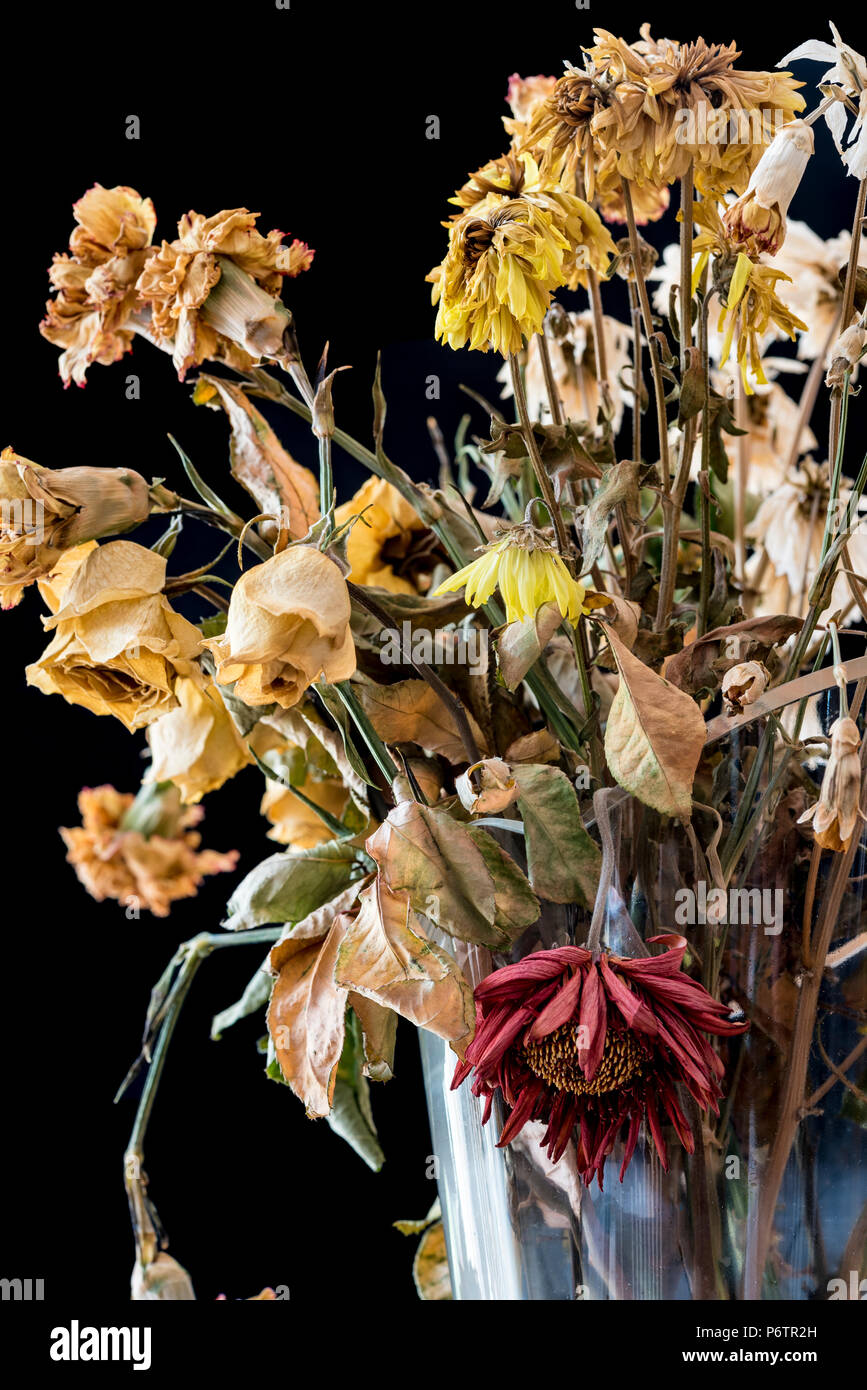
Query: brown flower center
{"points": [[555, 1060]]}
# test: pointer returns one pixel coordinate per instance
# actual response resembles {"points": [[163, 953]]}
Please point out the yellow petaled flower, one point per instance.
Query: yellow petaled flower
{"points": [[95, 285], [118, 646], [197, 745], [653, 106], [494, 286], [528, 573], [751, 308], [288, 625], [183, 274], [140, 851], [517, 175], [386, 520]]}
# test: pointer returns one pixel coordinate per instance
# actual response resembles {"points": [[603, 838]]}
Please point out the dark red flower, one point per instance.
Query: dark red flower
{"points": [[597, 1041]]}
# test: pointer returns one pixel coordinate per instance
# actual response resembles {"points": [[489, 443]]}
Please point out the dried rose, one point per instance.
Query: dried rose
{"points": [[118, 645], [197, 745], [836, 813], [288, 625], [743, 684]]}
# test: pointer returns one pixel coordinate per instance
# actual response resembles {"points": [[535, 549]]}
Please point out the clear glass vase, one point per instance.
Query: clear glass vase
{"points": [[773, 1202]]}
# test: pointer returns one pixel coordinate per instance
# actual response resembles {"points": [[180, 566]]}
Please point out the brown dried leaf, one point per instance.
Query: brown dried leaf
{"points": [[654, 736], [693, 669], [520, 644], [379, 1032], [385, 956], [430, 1268], [306, 1018], [270, 474], [411, 712], [424, 852]]}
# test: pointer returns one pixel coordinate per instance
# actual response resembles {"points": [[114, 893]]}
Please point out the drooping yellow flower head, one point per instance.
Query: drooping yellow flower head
{"points": [[494, 286], [516, 175], [751, 308], [528, 573]]}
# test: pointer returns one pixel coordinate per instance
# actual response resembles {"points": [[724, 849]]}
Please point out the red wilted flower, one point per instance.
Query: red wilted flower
{"points": [[594, 1040]]}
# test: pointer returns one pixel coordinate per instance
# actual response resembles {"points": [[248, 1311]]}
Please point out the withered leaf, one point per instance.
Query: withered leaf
{"points": [[260, 463], [619, 486], [520, 644], [562, 860], [427, 854], [378, 1034], [430, 1268], [351, 1116], [385, 955], [693, 669], [287, 887], [517, 906], [306, 1018], [654, 736], [411, 712]]}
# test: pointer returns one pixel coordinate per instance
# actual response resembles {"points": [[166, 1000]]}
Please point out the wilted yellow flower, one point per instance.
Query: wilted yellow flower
{"points": [[242, 322], [142, 855], [518, 176], [494, 286], [383, 532], [751, 307], [527, 570], [293, 822], [654, 105], [836, 813], [118, 645], [44, 511], [95, 284], [197, 745], [288, 625]]}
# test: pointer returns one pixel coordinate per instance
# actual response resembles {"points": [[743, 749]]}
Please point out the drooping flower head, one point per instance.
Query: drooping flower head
{"points": [[527, 570], [494, 286], [95, 284], [591, 1044], [516, 175], [837, 812], [141, 851], [651, 106], [243, 320]]}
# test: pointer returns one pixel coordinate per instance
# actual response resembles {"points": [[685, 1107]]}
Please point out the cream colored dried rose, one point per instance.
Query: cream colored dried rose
{"points": [[45, 511], [96, 283], [118, 645], [288, 625], [241, 322], [743, 684], [836, 813], [115, 859], [197, 745]]}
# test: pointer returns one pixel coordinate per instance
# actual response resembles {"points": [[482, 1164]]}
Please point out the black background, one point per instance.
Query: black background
{"points": [[315, 116]]}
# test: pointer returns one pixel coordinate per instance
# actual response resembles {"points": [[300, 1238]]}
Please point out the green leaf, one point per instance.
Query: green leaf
{"points": [[517, 906], [562, 860], [288, 886], [255, 996], [335, 707], [206, 493], [351, 1116]]}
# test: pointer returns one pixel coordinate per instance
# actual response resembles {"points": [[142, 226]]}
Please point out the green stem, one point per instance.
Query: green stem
{"points": [[378, 750]]}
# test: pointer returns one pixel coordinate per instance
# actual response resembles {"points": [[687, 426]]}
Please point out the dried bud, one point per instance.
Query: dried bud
{"points": [[46, 511], [743, 684], [647, 253], [497, 788], [836, 813], [846, 353], [758, 218]]}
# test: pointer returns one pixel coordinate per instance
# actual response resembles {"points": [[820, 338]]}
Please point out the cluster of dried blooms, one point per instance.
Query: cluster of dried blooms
{"points": [[662, 531]]}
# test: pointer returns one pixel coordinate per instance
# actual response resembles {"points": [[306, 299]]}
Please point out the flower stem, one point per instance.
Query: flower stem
{"points": [[687, 186], [544, 481], [647, 316], [550, 384]]}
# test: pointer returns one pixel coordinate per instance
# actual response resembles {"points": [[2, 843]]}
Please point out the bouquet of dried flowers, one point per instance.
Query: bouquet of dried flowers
{"points": [[634, 619]]}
